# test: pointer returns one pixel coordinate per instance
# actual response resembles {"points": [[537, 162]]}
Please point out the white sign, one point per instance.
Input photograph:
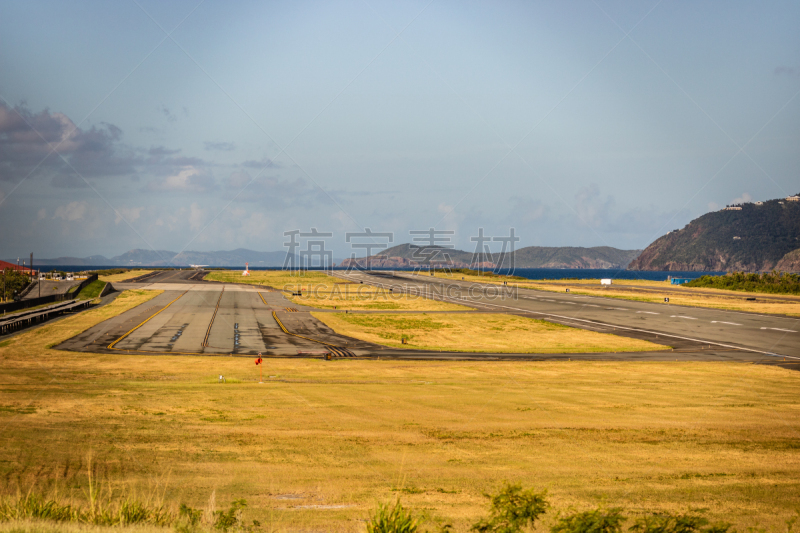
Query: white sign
{"points": [[605, 281]]}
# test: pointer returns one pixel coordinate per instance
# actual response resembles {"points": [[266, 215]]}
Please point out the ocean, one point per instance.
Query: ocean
{"points": [[529, 273]]}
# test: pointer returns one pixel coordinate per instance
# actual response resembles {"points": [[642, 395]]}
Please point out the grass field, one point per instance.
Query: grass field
{"points": [[478, 332], [320, 444], [124, 276], [357, 297], [278, 279]]}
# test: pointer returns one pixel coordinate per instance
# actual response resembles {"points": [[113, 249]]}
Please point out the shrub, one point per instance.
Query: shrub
{"points": [[511, 509], [392, 519], [681, 523], [597, 521]]}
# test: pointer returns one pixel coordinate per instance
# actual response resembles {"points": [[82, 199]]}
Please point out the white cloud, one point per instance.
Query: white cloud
{"points": [[743, 199], [196, 216], [189, 178], [72, 211], [42, 214], [128, 213]]}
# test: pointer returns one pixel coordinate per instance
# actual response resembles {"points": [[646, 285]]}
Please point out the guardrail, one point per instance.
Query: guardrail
{"points": [[33, 302], [24, 320]]}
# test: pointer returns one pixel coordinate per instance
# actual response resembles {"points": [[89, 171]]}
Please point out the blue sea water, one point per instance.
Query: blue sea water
{"points": [[529, 273], [597, 273]]}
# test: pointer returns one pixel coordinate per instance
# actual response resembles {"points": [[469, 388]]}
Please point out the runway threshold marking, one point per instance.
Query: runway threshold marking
{"points": [[111, 346], [208, 331], [337, 350]]}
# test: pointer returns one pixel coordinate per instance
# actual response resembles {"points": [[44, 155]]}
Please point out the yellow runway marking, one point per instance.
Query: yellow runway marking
{"points": [[208, 331], [111, 346], [337, 350]]}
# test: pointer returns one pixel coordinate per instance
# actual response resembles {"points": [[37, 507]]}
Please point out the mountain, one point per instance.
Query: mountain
{"points": [[76, 261], [139, 258], [789, 262], [749, 237], [574, 257], [410, 255]]}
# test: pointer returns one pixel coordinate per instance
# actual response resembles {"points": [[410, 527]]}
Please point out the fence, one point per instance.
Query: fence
{"points": [[33, 302]]}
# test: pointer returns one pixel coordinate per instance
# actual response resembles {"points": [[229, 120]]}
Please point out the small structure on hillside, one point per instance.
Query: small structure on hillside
{"points": [[794, 198]]}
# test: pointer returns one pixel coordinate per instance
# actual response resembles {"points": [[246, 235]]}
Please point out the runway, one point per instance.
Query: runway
{"points": [[193, 317], [213, 319], [768, 335]]}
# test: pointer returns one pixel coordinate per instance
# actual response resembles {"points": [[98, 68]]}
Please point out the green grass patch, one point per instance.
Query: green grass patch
{"points": [[768, 282], [92, 290]]}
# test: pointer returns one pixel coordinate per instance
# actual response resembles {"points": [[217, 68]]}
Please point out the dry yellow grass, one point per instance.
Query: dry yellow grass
{"points": [[125, 275], [320, 444], [478, 332], [357, 297], [289, 280], [39, 526]]}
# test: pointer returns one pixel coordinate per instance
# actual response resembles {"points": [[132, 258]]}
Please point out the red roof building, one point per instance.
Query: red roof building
{"points": [[5, 265]]}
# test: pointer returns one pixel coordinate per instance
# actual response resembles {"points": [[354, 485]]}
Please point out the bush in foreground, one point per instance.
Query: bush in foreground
{"points": [[513, 510]]}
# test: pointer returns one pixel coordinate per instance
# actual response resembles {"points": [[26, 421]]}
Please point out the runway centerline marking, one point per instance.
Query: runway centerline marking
{"points": [[721, 322], [781, 329], [648, 312], [681, 316]]}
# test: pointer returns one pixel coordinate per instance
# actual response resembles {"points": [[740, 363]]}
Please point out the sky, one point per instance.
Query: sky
{"points": [[207, 125]]}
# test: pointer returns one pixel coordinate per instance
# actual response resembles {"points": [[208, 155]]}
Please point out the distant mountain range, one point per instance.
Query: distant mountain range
{"points": [[749, 237], [409, 255], [139, 257], [404, 255]]}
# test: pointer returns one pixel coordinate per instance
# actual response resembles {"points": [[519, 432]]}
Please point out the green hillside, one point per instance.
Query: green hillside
{"points": [[532, 256], [752, 239]]}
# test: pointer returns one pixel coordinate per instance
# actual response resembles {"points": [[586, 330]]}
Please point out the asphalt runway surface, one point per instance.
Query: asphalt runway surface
{"points": [[194, 317]]}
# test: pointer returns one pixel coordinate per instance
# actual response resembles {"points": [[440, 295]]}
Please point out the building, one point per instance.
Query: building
{"points": [[5, 265], [732, 208], [794, 198], [679, 281], [759, 203]]}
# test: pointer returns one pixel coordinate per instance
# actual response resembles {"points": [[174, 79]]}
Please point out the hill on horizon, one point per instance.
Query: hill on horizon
{"points": [[527, 257], [139, 257], [752, 237]]}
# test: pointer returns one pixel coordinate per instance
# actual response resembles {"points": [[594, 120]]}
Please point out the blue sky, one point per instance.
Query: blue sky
{"points": [[210, 125]]}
